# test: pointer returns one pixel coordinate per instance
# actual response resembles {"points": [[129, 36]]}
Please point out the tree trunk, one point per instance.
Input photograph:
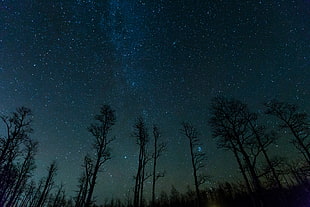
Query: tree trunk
{"points": [[247, 183], [195, 175], [138, 180], [302, 145], [273, 171], [93, 181], [154, 173]]}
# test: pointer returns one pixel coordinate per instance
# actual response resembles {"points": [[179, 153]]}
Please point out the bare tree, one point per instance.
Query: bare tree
{"points": [[141, 135], [48, 184], [297, 122], [275, 164], [18, 127], [159, 148], [84, 182], [36, 193], [298, 172], [263, 140], [230, 123], [198, 157], [59, 199], [24, 172], [28, 195], [16, 147], [100, 131]]}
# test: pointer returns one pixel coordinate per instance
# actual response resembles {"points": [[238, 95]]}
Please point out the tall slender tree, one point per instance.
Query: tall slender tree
{"points": [[48, 184], [159, 148], [59, 199], [100, 131], [141, 135], [198, 157], [24, 172], [84, 182]]}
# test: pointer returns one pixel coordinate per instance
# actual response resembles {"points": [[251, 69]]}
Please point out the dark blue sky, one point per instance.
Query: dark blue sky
{"points": [[159, 59]]}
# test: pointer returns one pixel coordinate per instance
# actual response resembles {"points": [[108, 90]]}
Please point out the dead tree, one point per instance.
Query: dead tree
{"points": [[18, 127], [297, 122], [263, 140], [198, 157], [100, 131], [13, 149], [230, 124], [84, 182], [159, 148], [24, 172], [28, 195], [276, 163], [59, 197], [48, 184], [141, 135], [36, 194]]}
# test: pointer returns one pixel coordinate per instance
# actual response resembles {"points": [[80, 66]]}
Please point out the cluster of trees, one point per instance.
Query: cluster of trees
{"points": [[142, 137], [17, 164], [240, 131], [266, 178]]}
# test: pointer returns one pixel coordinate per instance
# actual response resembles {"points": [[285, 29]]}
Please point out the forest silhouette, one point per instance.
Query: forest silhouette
{"points": [[267, 180]]}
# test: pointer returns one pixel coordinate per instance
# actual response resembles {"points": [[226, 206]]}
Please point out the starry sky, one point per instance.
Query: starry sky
{"points": [[162, 60]]}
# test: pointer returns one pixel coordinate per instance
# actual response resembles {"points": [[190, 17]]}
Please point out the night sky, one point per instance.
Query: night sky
{"points": [[161, 60]]}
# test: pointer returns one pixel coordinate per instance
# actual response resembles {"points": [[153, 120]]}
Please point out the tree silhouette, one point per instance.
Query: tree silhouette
{"points": [[48, 184], [141, 135], [84, 182], [297, 122], [277, 163], [36, 193], [17, 152], [263, 140], [198, 158], [235, 128], [100, 131], [23, 172], [158, 150], [29, 195], [230, 124], [298, 172], [59, 198]]}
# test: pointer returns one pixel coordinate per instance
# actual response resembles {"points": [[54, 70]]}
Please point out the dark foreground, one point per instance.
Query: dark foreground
{"points": [[227, 195]]}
